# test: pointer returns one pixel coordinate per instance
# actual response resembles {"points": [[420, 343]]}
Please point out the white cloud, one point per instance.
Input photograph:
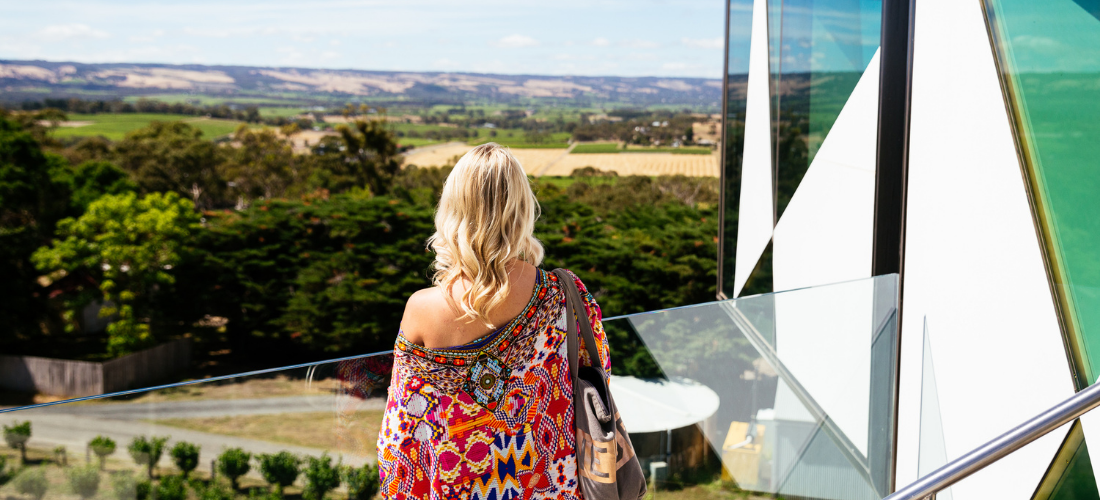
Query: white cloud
{"points": [[601, 42], [704, 43], [72, 31], [329, 55], [334, 43], [516, 41]]}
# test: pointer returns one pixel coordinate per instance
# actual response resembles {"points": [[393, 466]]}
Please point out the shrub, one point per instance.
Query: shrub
{"points": [[234, 463], [102, 446], [125, 486], [17, 436], [321, 477], [32, 481], [147, 451], [362, 482], [171, 488], [84, 480], [61, 456], [4, 474], [214, 491], [186, 457], [280, 470]]}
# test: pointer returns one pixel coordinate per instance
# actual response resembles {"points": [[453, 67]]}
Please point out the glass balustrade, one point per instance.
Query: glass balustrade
{"points": [[787, 394]]}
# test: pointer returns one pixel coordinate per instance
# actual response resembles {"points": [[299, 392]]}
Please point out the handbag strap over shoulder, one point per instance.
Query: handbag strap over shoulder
{"points": [[574, 310]]}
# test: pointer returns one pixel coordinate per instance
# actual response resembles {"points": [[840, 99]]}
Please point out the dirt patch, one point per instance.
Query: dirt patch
{"points": [[352, 433]]}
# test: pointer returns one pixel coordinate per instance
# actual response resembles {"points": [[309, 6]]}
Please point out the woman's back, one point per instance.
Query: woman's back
{"points": [[492, 418]]}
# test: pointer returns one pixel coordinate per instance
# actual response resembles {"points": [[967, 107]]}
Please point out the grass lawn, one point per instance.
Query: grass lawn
{"points": [[115, 126], [564, 182], [314, 430], [602, 147], [415, 141], [279, 111]]}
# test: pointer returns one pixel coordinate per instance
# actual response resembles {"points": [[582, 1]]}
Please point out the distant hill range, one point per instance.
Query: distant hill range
{"points": [[35, 80]]}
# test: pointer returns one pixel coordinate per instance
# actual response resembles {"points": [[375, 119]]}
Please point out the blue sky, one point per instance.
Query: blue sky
{"points": [[570, 37]]}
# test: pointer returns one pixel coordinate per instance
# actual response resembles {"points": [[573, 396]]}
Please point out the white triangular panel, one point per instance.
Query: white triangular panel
{"points": [[973, 264], [826, 233], [756, 213]]}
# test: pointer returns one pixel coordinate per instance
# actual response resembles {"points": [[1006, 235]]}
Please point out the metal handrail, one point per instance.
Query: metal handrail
{"points": [[1002, 445]]}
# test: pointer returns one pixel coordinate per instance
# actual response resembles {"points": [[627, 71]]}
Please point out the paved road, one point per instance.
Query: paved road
{"points": [[73, 426]]}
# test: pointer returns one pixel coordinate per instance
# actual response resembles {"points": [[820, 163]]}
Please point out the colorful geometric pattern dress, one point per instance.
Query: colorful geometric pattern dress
{"points": [[492, 419]]}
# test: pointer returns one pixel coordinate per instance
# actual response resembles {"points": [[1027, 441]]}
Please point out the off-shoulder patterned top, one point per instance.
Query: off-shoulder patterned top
{"points": [[492, 419]]}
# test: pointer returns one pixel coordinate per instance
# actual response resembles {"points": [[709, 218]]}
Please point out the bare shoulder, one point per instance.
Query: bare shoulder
{"points": [[424, 313]]}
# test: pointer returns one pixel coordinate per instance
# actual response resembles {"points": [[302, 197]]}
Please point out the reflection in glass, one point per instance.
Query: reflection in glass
{"points": [[739, 32], [332, 408], [825, 47], [795, 374], [1050, 59], [785, 393]]}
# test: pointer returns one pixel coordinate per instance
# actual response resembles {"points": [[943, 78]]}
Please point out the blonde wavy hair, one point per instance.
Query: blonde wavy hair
{"points": [[485, 221]]}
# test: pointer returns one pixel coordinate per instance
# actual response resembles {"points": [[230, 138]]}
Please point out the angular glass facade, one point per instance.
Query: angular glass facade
{"points": [[1049, 55], [816, 52]]}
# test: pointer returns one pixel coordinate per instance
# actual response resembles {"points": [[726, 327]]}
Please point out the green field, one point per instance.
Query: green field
{"points": [[115, 126], [415, 141], [601, 147], [280, 111]]}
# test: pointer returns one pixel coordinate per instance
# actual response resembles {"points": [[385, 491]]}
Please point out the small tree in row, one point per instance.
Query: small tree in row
{"points": [[362, 482], [147, 451], [234, 463], [186, 457], [321, 477], [103, 447], [17, 436], [280, 470]]}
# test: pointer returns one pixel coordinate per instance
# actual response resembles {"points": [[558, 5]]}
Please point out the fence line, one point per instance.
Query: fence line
{"points": [[68, 378]]}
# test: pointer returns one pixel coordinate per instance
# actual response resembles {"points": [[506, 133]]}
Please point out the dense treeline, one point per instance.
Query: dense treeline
{"points": [[248, 245], [248, 114]]}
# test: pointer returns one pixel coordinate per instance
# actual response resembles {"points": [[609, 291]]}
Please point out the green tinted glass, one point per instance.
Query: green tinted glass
{"points": [[1050, 58]]}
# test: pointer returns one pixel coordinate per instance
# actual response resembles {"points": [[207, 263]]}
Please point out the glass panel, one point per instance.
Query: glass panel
{"points": [[1070, 475], [739, 32], [1050, 57], [826, 45], [932, 447], [331, 407], [786, 394], [803, 382]]}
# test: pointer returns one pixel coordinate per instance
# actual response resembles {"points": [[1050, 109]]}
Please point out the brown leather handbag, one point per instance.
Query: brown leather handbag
{"points": [[607, 468]]}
